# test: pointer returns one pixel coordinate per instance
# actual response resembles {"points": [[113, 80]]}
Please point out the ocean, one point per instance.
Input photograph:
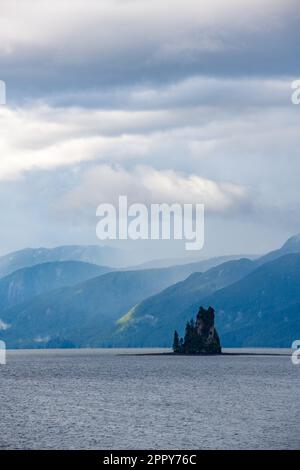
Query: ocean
{"points": [[116, 399]]}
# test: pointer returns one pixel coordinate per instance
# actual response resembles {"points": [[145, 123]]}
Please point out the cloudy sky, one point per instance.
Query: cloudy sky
{"points": [[171, 101]]}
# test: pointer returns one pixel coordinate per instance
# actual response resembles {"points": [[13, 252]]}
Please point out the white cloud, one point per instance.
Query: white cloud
{"points": [[188, 121], [91, 27], [231, 143], [44, 139], [145, 184]]}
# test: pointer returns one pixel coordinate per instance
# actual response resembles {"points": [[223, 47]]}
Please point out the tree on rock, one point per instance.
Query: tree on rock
{"points": [[200, 337]]}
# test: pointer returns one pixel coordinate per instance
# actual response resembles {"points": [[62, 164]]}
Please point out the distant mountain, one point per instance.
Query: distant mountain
{"points": [[103, 256], [292, 245], [263, 308], [25, 284], [151, 322], [86, 313], [202, 264], [94, 254], [256, 303]]}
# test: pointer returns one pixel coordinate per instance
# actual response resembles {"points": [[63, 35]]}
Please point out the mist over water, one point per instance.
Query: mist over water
{"points": [[96, 399]]}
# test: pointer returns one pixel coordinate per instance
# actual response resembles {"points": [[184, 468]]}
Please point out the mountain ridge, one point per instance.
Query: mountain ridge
{"points": [[26, 283], [99, 311], [94, 305]]}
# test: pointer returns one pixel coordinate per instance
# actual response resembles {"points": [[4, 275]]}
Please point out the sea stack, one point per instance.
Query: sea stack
{"points": [[200, 337]]}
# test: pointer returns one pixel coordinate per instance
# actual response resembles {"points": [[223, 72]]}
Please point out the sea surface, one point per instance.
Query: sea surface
{"points": [[116, 399]]}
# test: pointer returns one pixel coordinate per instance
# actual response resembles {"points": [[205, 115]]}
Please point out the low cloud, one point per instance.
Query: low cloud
{"points": [[146, 185], [45, 139], [175, 125], [196, 91]]}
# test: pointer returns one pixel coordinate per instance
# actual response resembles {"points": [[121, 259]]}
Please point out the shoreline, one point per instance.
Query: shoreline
{"points": [[208, 355], [150, 352]]}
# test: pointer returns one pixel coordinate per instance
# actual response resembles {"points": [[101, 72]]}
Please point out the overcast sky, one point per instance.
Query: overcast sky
{"points": [[169, 101]]}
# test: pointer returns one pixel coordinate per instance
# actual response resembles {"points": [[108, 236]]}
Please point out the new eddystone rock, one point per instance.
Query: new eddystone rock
{"points": [[200, 337]]}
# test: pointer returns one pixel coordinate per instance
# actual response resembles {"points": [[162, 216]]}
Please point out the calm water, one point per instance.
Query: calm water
{"points": [[100, 400]]}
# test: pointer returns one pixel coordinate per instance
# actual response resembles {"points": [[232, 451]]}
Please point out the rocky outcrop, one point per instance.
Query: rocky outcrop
{"points": [[200, 337]]}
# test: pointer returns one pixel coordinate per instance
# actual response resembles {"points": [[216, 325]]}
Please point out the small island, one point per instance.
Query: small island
{"points": [[200, 337]]}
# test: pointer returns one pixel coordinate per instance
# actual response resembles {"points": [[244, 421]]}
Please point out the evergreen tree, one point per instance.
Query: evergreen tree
{"points": [[187, 337], [176, 342]]}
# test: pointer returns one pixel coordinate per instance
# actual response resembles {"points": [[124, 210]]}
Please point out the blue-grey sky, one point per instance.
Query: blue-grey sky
{"points": [[170, 101]]}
